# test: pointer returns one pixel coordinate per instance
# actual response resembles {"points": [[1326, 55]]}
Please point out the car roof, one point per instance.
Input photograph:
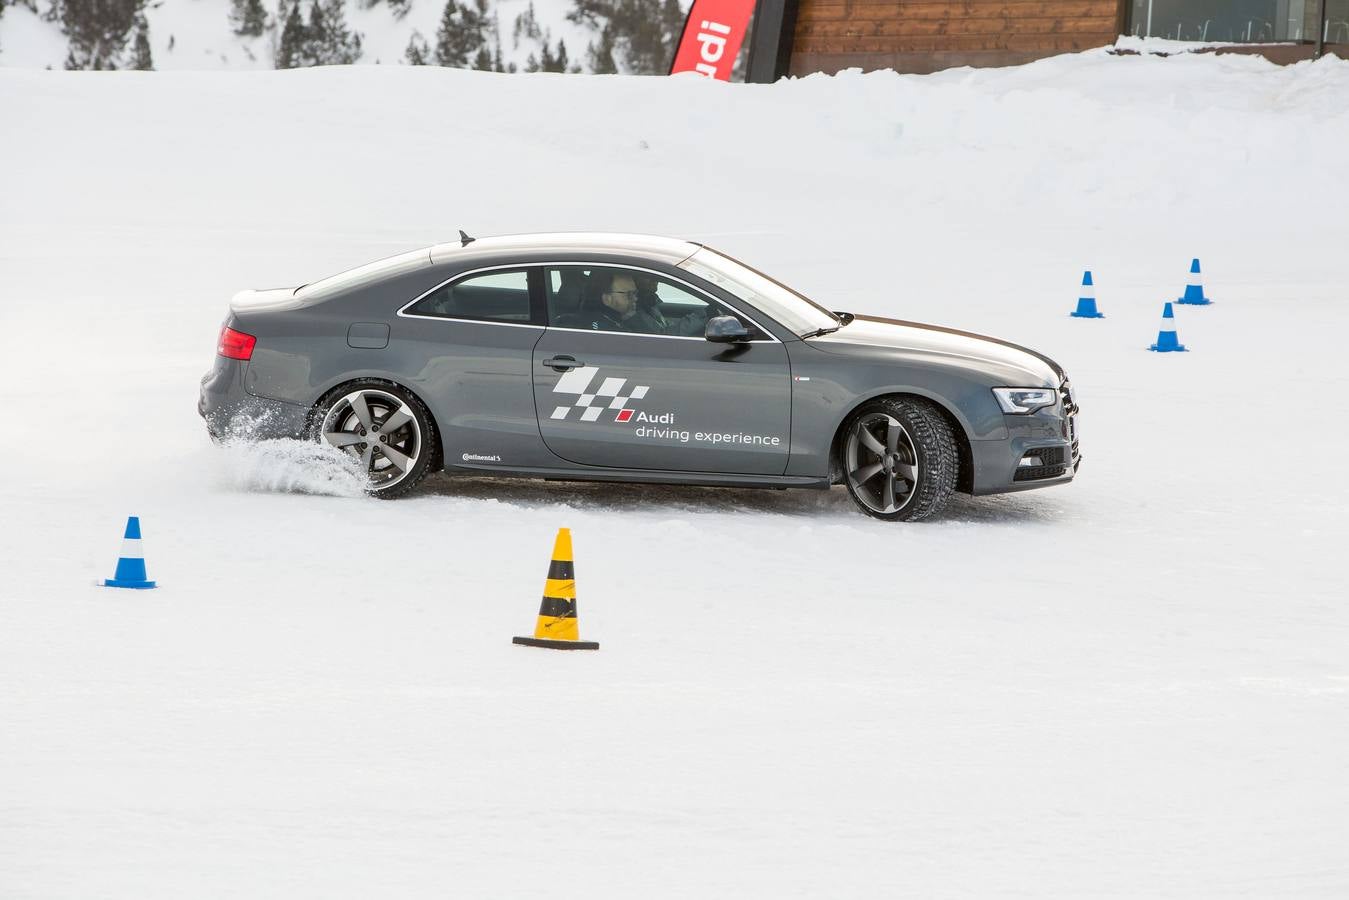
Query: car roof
{"points": [[665, 249]]}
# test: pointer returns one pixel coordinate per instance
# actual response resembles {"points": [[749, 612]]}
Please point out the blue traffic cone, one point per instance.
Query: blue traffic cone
{"points": [[1086, 300], [1167, 342], [131, 564], [1194, 288]]}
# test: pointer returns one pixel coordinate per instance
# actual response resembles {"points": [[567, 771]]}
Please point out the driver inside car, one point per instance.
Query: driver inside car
{"points": [[608, 303], [614, 301], [691, 324]]}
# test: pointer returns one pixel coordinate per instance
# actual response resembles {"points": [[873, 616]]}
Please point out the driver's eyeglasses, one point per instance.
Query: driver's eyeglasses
{"points": [[632, 293]]}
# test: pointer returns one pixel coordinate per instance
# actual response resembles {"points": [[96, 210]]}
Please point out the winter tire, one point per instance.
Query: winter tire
{"points": [[899, 459], [384, 427]]}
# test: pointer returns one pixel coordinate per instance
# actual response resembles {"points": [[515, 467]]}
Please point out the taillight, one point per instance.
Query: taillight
{"points": [[235, 344]]}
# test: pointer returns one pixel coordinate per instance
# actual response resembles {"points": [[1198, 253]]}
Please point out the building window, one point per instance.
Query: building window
{"points": [[1336, 27], [1242, 22]]}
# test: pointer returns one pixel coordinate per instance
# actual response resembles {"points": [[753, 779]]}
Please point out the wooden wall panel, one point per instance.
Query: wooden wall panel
{"points": [[907, 10], [925, 35], [906, 28], [1047, 43], [919, 63]]}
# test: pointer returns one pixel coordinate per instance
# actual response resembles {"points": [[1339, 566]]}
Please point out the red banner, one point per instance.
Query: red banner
{"points": [[713, 33]]}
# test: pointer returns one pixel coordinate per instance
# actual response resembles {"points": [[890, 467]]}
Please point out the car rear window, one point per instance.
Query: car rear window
{"points": [[499, 296], [361, 276]]}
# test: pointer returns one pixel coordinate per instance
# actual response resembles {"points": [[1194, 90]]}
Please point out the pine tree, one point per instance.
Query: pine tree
{"points": [[140, 47], [646, 50], [643, 33], [247, 17], [560, 58], [531, 63], [97, 31], [483, 60], [461, 34], [340, 45], [498, 64], [447, 45], [315, 36], [672, 17], [526, 24], [492, 40], [600, 57], [485, 24], [417, 53], [289, 53]]}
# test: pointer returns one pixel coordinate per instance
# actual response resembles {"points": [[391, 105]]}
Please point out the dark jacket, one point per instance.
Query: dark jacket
{"points": [[594, 316], [598, 317]]}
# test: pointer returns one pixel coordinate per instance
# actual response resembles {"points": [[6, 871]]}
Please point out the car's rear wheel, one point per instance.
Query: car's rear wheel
{"points": [[899, 459], [385, 428]]}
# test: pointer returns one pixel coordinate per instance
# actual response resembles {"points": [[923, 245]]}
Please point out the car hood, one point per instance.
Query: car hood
{"points": [[934, 340]]}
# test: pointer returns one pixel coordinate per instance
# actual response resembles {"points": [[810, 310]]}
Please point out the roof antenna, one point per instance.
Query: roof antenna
{"points": [[464, 239]]}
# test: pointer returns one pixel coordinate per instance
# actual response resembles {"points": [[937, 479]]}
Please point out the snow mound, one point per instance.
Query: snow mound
{"points": [[1132, 686]]}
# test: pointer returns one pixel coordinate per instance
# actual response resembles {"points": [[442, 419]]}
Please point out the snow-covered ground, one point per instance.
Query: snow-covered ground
{"points": [[1133, 686]]}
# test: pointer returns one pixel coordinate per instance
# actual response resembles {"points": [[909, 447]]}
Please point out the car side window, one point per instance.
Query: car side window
{"points": [[500, 296], [604, 298]]}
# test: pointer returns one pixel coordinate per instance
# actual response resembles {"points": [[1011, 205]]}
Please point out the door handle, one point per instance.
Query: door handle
{"points": [[562, 363]]}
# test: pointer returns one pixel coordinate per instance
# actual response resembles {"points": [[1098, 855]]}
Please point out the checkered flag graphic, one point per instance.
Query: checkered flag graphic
{"points": [[609, 395]]}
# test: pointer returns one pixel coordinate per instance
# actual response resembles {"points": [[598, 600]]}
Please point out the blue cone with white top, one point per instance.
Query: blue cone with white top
{"points": [[131, 564], [1194, 288], [1167, 340], [1086, 300]]}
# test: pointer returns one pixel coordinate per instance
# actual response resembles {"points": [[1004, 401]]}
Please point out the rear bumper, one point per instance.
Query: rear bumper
{"points": [[230, 412]]}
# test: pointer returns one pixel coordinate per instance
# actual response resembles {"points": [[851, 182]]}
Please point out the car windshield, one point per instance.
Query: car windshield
{"points": [[801, 314]]}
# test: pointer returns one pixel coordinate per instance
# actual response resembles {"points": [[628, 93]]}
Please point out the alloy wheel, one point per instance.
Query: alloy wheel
{"points": [[882, 463], [380, 430]]}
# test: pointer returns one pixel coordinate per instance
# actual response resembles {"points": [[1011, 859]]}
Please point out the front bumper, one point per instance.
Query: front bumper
{"points": [[232, 413], [1047, 440]]}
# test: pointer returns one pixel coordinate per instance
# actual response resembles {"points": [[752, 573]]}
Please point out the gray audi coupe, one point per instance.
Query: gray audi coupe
{"points": [[619, 357]]}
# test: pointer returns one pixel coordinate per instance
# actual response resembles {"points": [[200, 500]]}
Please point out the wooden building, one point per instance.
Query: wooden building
{"points": [[797, 37]]}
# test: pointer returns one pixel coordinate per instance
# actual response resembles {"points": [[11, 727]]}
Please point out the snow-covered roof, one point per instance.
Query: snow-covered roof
{"points": [[671, 250]]}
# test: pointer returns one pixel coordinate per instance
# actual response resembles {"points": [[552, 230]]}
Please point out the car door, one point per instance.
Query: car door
{"points": [[467, 346], [642, 389]]}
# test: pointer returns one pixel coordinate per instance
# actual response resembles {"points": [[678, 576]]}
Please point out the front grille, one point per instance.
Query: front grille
{"points": [[1066, 395], [1035, 473], [1051, 459], [1070, 411], [1049, 456]]}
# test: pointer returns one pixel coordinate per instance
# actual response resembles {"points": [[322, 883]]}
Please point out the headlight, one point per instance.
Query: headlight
{"points": [[1023, 401]]}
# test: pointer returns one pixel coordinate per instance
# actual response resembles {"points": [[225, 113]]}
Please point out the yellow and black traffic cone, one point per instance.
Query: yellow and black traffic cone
{"points": [[558, 628]]}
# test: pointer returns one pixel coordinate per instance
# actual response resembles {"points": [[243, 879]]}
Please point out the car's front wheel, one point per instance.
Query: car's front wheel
{"points": [[385, 428], [899, 459]]}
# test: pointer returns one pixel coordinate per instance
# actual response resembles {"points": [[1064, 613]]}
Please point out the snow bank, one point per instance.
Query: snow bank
{"points": [[1132, 686]]}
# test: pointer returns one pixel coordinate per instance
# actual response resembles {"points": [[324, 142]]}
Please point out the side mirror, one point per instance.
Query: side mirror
{"points": [[726, 330]]}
